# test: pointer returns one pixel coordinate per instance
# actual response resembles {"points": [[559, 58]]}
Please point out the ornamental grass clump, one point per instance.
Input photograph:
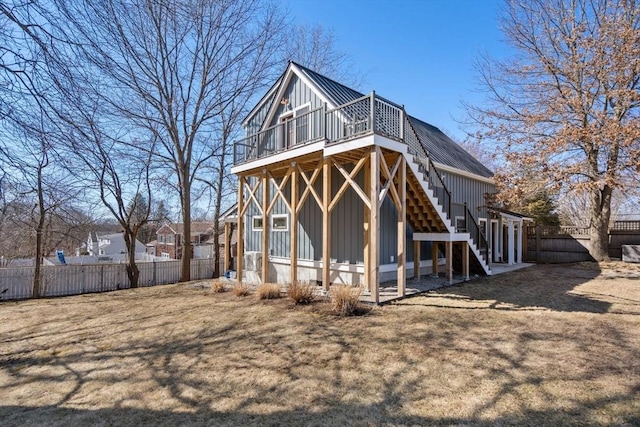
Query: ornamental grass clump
{"points": [[301, 292], [218, 287], [240, 290], [344, 299], [268, 291]]}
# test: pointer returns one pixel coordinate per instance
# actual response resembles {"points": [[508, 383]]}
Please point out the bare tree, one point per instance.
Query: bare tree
{"points": [[568, 103], [176, 66], [316, 47], [41, 186]]}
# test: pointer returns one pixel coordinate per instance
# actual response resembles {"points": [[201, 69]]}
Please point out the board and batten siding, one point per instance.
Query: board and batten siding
{"points": [[254, 123], [347, 238], [298, 95], [470, 191]]}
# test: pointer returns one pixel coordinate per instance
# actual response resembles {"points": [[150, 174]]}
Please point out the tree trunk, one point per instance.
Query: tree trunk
{"points": [[216, 216], [133, 272], [39, 230], [185, 275], [600, 215]]}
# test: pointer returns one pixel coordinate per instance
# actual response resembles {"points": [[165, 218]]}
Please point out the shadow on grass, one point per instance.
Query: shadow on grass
{"points": [[376, 414], [241, 365], [542, 286]]}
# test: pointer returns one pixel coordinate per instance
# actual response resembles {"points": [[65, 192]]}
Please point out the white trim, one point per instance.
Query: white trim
{"points": [[351, 268], [496, 242], [279, 229], [253, 223], [464, 173], [441, 237], [349, 145], [514, 217]]}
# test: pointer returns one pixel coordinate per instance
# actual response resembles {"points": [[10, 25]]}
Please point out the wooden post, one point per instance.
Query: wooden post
{"points": [[265, 226], [293, 227], [367, 232], [227, 246], [374, 244], [449, 260], [465, 260], [240, 237], [402, 227], [416, 259], [326, 223], [434, 258]]}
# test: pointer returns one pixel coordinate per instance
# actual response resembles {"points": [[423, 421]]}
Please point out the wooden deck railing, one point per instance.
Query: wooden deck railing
{"points": [[357, 118]]}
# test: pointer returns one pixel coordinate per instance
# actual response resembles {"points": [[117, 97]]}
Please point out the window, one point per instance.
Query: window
{"points": [[160, 238], [280, 223], [257, 223], [165, 255], [461, 224], [170, 239], [296, 126]]}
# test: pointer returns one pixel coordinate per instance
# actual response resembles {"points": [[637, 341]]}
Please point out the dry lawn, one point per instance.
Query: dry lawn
{"points": [[548, 345]]}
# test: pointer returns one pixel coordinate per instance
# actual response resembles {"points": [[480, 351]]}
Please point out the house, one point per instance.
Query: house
{"points": [[336, 186], [170, 240], [109, 246]]}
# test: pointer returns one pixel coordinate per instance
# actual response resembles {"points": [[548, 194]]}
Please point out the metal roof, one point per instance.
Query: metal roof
{"points": [[338, 93], [443, 149], [440, 147]]}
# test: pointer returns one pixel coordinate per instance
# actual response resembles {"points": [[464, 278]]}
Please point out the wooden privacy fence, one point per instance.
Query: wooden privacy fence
{"points": [[17, 282], [571, 244]]}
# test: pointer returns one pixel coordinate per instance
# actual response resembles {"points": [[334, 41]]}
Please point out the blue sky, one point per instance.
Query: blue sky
{"points": [[416, 53]]}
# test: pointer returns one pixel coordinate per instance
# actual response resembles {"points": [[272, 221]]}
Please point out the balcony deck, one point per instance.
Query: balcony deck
{"points": [[319, 128]]}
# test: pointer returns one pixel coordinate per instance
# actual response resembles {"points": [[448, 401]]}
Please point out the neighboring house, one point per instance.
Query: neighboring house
{"points": [[151, 247], [170, 240], [110, 246], [358, 191]]}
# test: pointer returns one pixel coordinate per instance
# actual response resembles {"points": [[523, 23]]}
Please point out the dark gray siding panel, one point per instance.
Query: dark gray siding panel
{"points": [[347, 238], [298, 94], [255, 122], [471, 191]]}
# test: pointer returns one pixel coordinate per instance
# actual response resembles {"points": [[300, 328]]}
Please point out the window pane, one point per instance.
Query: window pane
{"points": [[280, 222]]}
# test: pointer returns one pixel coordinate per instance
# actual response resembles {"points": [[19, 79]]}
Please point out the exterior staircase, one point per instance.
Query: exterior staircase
{"points": [[429, 204]]}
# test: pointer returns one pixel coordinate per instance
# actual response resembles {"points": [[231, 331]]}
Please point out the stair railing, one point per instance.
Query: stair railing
{"points": [[429, 171]]}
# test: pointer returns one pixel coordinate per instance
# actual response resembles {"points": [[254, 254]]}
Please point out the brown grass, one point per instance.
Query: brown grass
{"points": [[268, 291], [218, 286], [301, 292], [241, 290], [345, 299], [548, 345]]}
